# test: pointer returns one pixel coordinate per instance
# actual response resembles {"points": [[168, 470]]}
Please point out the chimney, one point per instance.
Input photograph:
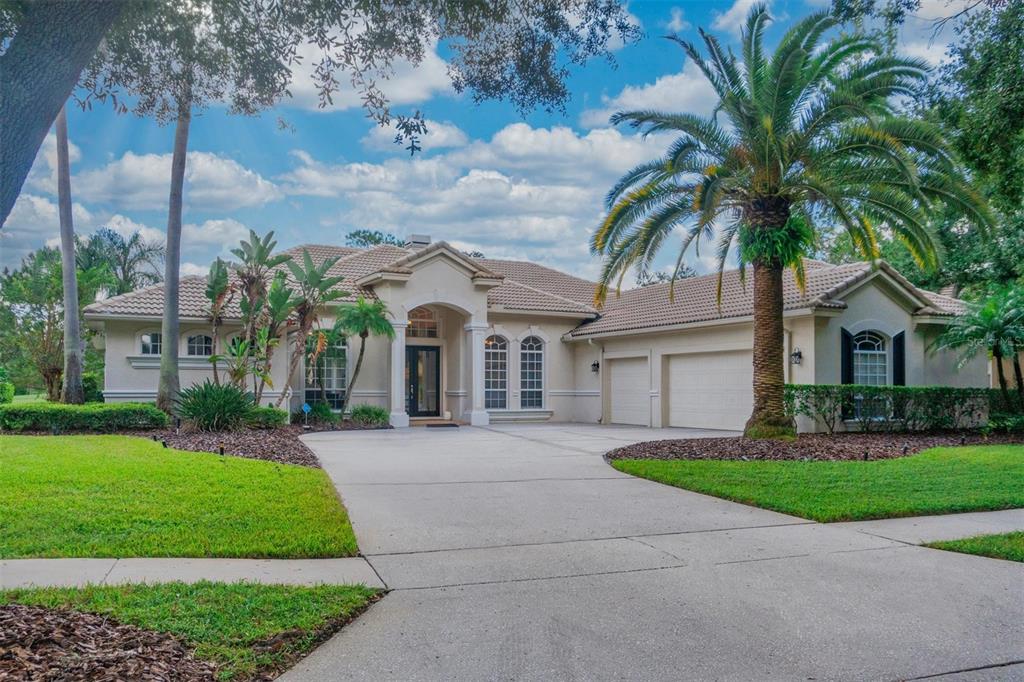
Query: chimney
{"points": [[417, 241]]}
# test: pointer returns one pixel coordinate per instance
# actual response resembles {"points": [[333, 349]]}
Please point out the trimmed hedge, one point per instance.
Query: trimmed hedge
{"points": [[6, 392], [892, 408], [371, 415], [265, 418], [101, 417]]}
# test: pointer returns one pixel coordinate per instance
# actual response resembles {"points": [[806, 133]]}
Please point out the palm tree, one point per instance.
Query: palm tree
{"points": [[72, 391], [362, 319], [316, 289], [809, 135], [219, 292], [995, 325], [256, 261], [132, 263], [170, 381]]}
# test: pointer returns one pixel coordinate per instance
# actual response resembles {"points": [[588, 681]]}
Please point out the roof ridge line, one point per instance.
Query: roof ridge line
{"points": [[553, 295]]}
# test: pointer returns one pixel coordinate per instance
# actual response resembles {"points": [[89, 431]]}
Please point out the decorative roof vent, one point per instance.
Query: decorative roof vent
{"points": [[417, 241]]}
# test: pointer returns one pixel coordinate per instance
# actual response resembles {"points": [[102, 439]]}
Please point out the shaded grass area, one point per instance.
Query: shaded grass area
{"points": [[119, 496], [937, 481], [243, 628], [29, 398], [1008, 546]]}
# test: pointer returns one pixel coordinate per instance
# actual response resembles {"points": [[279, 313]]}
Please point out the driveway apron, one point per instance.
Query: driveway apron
{"points": [[516, 552]]}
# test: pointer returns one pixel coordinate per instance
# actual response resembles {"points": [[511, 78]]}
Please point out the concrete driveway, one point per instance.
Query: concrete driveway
{"points": [[514, 552]]}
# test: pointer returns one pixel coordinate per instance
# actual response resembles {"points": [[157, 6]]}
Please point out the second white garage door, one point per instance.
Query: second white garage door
{"points": [[710, 390], [630, 391]]}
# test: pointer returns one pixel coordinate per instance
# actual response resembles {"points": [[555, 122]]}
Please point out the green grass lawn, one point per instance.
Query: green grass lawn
{"points": [[118, 496], [1005, 546], [224, 623], [30, 398], [937, 481]]}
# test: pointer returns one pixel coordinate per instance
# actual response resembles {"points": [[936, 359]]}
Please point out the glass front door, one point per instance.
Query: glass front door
{"points": [[423, 381]]}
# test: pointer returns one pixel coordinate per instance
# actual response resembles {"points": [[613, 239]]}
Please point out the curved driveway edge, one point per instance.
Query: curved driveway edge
{"points": [[516, 552]]}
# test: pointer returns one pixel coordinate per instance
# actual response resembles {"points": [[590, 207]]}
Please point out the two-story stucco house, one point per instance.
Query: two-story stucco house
{"points": [[479, 340]]}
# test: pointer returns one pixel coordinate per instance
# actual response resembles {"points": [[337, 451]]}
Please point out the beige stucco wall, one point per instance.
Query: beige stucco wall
{"points": [[131, 376], [876, 306]]}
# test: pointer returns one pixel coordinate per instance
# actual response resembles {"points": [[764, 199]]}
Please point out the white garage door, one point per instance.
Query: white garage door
{"points": [[630, 391], [710, 390]]}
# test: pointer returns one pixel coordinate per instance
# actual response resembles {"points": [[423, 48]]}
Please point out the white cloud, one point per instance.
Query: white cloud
{"points": [[141, 181], [186, 269], [687, 90], [225, 232], [525, 193], [439, 136], [734, 18], [676, 23], [407, 85], [126, 227], [34, 221], [43, 175]]}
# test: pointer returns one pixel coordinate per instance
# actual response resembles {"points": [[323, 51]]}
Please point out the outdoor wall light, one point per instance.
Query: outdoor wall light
{"points": [[595, 366], [797, 356]]}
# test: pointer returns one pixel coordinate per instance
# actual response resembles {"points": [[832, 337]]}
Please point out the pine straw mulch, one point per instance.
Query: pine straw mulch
{"points": [[38, 643], [807, 446]]}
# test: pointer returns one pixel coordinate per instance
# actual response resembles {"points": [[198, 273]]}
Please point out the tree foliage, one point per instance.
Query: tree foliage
{"points": [[32, 318], [131, 262], [363, 239]]}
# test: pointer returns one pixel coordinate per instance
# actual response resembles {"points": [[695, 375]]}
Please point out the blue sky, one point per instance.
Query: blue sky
{"points": [[488, 179]]}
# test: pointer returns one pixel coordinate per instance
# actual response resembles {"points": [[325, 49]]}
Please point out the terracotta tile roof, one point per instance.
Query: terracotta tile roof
{"points": [[532, 287], [514, 295], [543, 278], [695, 299]]}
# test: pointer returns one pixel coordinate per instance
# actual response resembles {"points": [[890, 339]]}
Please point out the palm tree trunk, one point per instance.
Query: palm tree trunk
{"points": [[214, 351], [170, 382], [769, 417], [355, 371], [1017, 377], [1002, 376], [73, 393], [300, 348]]}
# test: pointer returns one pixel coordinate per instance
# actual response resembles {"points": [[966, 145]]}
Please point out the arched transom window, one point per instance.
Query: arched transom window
{"points": [[422, 323], [531, 373], [870, 359], [151, 343], [495, 373], [200, 345]]}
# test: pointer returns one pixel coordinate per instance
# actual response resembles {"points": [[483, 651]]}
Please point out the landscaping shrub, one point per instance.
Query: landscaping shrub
{"points": [[213, 407], [101, 417], [265, 418], [321, 412], [92, 387], [6, 392], [370, 415], [1004, 422], [890, 408]]}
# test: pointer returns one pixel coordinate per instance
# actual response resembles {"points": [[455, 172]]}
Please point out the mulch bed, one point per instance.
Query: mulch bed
{"points": [[807, 447], [280, 444], [38, 643]]}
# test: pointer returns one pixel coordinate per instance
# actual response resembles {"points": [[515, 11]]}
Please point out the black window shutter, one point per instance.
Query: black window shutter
{"points": [[846, 366], [899, 359]]}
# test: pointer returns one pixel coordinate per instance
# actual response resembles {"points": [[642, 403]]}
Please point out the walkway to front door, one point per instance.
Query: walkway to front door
{"points": [[515, 552], [423, 381]]}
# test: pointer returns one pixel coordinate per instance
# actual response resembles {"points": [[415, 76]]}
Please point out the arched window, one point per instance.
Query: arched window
{"points": [[870, 359], [495, 373], [199, 345], [151, 343], [422, 323], [531, 373]]}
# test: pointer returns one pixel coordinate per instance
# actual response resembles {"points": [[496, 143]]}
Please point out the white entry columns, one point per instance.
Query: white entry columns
{"points": [[399, 417], [477, 333]]}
